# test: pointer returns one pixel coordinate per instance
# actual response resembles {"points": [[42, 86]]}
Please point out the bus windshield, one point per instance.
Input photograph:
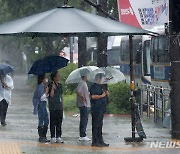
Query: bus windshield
{"points": [[159, 49]]}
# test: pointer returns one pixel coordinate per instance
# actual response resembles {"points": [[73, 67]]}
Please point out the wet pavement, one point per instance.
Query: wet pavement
{"points": [[20, 135]]}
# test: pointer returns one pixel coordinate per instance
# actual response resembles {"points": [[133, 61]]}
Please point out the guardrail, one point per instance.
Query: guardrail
{"points": [[155, 102]]}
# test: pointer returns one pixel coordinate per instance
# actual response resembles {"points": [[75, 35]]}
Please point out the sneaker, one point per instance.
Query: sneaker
{"points": [[53, 140], [60, 140], [84, 139]]}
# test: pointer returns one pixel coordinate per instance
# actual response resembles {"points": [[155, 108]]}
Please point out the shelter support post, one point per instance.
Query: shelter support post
{"points": [[102, 40], [132, 97], [82, 51], [102, 51]]}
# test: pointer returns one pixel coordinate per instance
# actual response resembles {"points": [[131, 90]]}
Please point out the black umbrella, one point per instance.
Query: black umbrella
{"points": [[5, 69], [48, 64], [67, 21]]}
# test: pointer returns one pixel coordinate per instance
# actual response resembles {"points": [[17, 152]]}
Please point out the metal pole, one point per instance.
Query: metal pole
{"points": [[162, 98], [148, 103], [155, 107], [142, 100], [132, 84], [132, 98]]}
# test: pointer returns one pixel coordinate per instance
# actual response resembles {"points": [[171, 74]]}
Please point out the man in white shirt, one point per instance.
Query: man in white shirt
{"points": [[6, 85], [83, 102]]}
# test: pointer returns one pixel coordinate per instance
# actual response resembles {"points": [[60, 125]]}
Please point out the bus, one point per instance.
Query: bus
{"points": [[151, 59]]}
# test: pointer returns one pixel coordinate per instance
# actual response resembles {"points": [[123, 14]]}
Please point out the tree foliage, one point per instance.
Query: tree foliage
{"points": [[14, 9]]}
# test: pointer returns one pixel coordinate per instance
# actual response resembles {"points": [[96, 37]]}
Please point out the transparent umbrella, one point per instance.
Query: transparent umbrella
{"points": [[111, 75], [76, 75]]}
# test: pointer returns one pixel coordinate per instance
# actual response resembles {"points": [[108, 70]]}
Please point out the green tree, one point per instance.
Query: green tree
{"points": [[14, 9]]}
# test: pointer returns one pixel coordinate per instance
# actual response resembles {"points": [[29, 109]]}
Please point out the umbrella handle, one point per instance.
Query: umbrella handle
{"points": [[109, 78]]}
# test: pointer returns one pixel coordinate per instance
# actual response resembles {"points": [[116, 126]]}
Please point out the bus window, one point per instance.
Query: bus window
{"points": [[159, 52], [162, 50], [124, 51], [155, 49]]}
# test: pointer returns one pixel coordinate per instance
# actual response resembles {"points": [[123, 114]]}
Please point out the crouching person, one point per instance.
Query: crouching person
{"points": [[39, 101]]}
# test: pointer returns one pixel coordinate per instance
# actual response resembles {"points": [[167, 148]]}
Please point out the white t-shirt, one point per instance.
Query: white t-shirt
{"points": [[83, 89]]}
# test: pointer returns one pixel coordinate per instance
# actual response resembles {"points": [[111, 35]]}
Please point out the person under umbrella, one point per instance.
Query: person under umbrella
{"points": [[56, 108], [111, 75], [6, 86], [39, 101], [83, 103], [98, 105]]}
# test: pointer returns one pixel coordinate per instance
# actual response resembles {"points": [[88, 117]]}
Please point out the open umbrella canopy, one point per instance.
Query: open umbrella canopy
{"points": [[48, 64], [5, 69], [75, 76], [67, 21], [111, 75]]}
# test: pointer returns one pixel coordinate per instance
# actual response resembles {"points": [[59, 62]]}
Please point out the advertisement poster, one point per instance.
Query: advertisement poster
{"points": [[144, 14]]}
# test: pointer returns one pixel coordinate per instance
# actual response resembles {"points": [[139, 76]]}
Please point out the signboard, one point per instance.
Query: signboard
{"points": [[144, 14]]}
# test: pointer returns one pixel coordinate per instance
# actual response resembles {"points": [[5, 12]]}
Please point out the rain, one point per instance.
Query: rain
{"points": [[89, 76]]}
